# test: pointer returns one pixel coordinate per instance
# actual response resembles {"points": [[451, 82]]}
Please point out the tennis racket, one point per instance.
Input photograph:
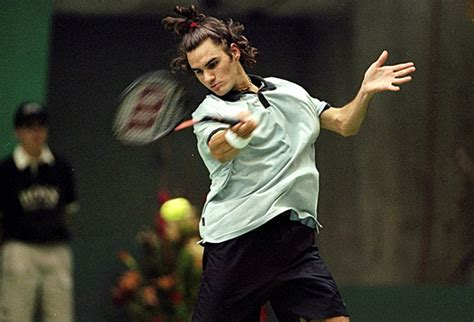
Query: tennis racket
{"points": [[152, 107]]}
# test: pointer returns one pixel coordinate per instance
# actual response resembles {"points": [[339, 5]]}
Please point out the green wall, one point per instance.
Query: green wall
{"points": [[24, 51]]}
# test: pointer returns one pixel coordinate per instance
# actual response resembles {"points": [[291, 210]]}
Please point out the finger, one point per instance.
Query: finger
{"points": [[236, 127], [393, 88], [226, 148], [246, 130], [240, 129], [402, 66], [403, 80], [382, 59], [404, 72]]}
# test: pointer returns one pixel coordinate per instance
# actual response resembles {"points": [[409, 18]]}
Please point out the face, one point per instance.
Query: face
{"points": [[215, 68], [32, 138]]}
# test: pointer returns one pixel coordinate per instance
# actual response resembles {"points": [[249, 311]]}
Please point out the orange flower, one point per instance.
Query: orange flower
{"points": [[149, 296], [166, 282], [130, 280]]}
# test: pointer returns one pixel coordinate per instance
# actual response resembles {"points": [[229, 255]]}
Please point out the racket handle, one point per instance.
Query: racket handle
{"points": [[189, 123], [225, 120]]}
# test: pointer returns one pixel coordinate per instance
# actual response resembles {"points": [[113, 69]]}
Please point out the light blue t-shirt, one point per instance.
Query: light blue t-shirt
{"points": [[276, 172]]}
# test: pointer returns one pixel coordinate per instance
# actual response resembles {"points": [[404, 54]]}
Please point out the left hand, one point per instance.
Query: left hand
{"points": [[379, 78], [246, 125]]}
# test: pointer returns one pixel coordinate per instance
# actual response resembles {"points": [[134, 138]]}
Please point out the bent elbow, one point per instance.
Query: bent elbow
{"points": [[349, 131]]}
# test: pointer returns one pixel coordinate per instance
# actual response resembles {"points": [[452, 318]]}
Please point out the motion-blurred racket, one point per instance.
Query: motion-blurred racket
{"points": [[153, 106]]}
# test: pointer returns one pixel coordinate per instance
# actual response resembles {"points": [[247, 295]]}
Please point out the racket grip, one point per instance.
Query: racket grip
{"points": [[227, 120]]}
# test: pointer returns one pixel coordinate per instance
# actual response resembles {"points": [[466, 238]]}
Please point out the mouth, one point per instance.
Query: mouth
{"points": [[215, 86]]}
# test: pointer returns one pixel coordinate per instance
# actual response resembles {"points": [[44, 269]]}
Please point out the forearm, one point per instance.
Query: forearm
{"points": [[347, 119], [220, 149], [353, 113]]}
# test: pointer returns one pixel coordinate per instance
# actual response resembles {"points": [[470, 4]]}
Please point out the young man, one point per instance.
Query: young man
{"points": [[37, 197], [257, 225]]}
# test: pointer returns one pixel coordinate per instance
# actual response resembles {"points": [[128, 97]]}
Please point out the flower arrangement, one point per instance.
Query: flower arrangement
{"points": [[162, 287]]}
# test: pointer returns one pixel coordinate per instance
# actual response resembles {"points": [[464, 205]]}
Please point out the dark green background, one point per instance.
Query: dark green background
{"points": [[24, 52]]}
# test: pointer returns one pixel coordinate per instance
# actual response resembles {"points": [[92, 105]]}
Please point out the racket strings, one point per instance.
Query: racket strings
{"points": [[151, 107], [146, 111], [171, 113]]}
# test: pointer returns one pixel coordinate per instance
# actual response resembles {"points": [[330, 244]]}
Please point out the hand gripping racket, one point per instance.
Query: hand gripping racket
{"points": [[152, 107]]}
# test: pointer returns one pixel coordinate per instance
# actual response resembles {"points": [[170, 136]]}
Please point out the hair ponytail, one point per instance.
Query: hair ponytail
{"points": [[193, 27], [190, 18]]}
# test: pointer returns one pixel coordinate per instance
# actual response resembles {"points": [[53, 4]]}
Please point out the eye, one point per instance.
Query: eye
{"points": [[213, 64]]}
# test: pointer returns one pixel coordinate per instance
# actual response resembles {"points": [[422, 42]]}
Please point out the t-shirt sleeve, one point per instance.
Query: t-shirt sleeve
{"points": [[320, 106]]}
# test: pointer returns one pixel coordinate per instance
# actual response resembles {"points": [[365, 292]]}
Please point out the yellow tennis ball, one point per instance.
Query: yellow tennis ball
{"points": [[175, 209]]}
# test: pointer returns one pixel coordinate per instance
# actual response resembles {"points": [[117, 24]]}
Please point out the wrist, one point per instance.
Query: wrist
{"points": [[236, 141], [364, 96]]}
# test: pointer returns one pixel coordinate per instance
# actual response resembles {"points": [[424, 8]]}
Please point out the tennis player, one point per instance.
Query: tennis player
{"points": [[259, 220]]}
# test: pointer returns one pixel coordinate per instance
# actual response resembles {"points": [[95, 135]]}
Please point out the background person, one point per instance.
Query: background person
{"points": [[37, 199]]}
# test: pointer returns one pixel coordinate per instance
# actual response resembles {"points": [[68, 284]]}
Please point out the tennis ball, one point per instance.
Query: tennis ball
{"points": [[175, 209]]}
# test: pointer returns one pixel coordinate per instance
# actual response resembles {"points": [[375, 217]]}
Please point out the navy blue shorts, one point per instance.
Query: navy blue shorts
{"points": [[277, 262]]}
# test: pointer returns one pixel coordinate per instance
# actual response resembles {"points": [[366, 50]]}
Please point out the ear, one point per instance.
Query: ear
{"points": [[235, 50]]}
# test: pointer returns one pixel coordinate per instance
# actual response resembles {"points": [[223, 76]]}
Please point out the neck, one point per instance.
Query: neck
{"points": [[246, 85], [34, 154]]}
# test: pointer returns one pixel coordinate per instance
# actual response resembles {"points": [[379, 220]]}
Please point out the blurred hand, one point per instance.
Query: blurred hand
{"points": [[246, 125]]}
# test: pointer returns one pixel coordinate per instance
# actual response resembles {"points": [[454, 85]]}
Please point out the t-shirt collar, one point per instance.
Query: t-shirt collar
{"points": [[23, 160], [258, 81]]}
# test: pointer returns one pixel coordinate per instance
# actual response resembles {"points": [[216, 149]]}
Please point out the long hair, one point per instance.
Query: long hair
{"points": [[193, 28]]}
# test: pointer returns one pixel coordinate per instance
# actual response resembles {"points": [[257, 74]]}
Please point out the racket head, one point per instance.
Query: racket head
{"points": [[150, 108]]}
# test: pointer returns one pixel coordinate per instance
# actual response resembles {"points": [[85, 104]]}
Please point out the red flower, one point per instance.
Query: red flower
{"points": [[162, 196], [119, 297], [176, 297], [160, 225], [263, 314], [156, 319]]}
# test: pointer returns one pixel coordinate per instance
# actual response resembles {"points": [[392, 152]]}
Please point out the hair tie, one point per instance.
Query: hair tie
{"points": [[193, 24]]}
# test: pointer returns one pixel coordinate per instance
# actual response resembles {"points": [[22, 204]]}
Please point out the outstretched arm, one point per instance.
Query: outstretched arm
{"points": [[378, 78]]}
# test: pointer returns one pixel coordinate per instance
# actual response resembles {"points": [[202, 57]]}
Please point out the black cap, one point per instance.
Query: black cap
{"points": [[31, 113]]}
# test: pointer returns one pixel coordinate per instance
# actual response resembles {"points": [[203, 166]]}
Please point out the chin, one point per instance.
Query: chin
{"points": [[219, 92]]}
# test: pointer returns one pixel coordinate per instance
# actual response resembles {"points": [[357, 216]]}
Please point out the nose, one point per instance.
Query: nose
{"points": [[209, 77]]}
